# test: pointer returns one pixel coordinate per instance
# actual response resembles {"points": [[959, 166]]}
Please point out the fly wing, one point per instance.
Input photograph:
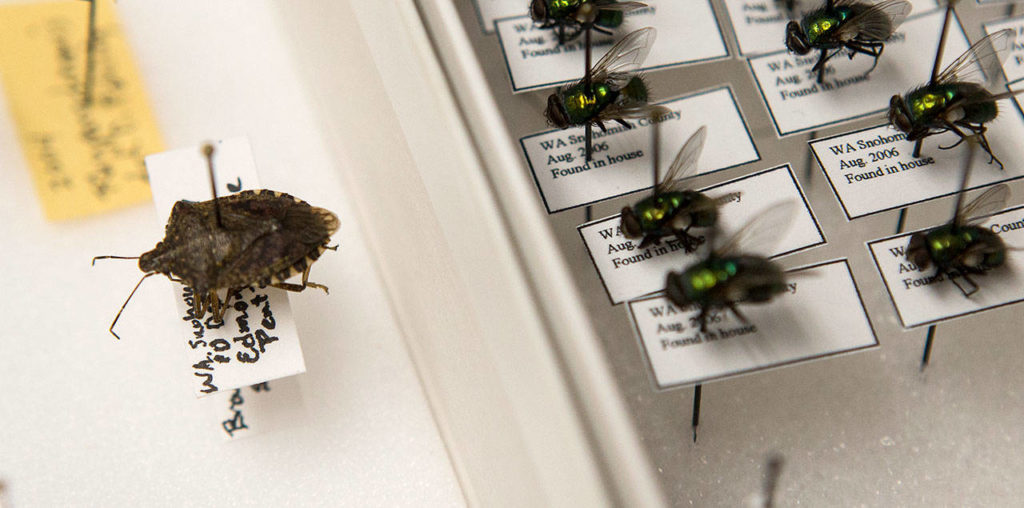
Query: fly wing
{"points": [[621, 6], [985, 56], [685, 162], [635, 110], [877, 22], [626, 56], [989, 202], [763, 232]]}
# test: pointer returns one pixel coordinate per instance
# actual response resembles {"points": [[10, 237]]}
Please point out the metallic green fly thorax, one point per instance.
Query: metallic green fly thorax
{"points": [[819, 24], [581, 107], [719, 281]]}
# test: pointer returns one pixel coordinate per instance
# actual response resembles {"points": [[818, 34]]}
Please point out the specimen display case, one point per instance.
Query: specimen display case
{"points": [[470, 350]]}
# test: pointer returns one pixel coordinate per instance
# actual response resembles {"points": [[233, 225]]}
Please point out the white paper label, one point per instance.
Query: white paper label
{"points": [[488, 11], [873, 170], [798, 103], [797, 326], [1013, 65], [628, 272], [923, 297], [252, 410], [760, 25], [687, 33], [622, 157], [257, 341]]}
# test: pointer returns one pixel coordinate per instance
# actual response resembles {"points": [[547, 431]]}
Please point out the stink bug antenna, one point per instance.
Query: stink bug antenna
{"points": [[112, 257], [208, 152], [125, 304]]}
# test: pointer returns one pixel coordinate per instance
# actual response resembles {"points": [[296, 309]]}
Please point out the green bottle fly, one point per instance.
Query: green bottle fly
{"points": [[615, 92], [671, 210]]}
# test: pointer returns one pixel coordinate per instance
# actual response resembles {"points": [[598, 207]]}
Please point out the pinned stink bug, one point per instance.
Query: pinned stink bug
{"points": [[252, 238]]}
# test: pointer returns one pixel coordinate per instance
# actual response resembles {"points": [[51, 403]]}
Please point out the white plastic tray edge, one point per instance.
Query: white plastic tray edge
{"points": [[500, 394]]}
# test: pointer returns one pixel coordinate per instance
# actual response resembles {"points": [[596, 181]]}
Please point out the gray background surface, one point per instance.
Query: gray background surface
{"points": [[864, 429]]}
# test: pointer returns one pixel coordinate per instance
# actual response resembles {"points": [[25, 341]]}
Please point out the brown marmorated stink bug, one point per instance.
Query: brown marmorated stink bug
{"points": [[252, 238]]}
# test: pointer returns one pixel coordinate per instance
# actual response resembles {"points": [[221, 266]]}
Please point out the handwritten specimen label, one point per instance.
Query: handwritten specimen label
{"points": [[257, 340], [797, 102], [797, 326], [622, 157], [1013, 65], [760, 25], [628, 272], [922, 297], [873, 170], [84, 159], [687, 33]]}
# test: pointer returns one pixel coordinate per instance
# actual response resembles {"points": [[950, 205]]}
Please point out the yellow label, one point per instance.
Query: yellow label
{"points": [[84, 159]]}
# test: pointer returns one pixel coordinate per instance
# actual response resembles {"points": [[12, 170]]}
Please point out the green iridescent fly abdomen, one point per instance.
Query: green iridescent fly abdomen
{"points": [[819, 25], [582, 107], [929, 103], [719, 281], [563, 8], [609, 18], [656, 212], [948, 244]]}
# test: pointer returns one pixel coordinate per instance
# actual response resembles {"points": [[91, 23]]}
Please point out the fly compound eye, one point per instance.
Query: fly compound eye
{"points": [[898, 115], [917, 251], [795, 39], [630, 224], [555, 113], [539, 10]]}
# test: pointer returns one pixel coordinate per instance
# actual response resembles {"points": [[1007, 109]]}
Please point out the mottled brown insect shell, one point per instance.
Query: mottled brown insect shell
{"points": [[264, 238]]}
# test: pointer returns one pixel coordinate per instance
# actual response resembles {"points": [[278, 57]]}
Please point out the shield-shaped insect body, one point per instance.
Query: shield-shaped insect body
{"points": [[252, 238]]}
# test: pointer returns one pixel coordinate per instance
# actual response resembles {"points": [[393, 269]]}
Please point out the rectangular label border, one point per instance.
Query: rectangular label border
{"points": [[842, 204], [888, 290], [771, 114], [706, 91], [659, 388], [517, 90], [800, 191]]}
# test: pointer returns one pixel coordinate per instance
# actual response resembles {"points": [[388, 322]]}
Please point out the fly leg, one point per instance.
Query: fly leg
{"points": [[739, 315], [690, 242], [624, 123], [648, 240], [601, 30], [820, 66], [868, 48], [964, 276], [703, 318], [979, 130]]}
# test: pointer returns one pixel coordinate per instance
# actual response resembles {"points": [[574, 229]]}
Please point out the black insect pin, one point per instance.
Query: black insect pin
{"points": [[956, 99], [852, 25], [961, 248], [731, 273], [614, 92], [252, 238], [579, 15], [672, 210]]}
